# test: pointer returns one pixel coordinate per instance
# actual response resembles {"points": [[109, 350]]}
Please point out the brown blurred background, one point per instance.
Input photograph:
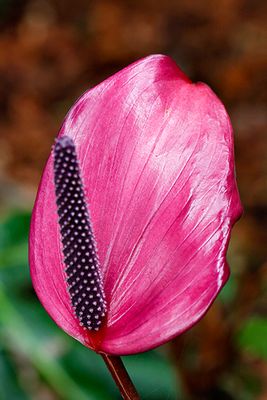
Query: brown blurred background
{"points": [[52, 51]]}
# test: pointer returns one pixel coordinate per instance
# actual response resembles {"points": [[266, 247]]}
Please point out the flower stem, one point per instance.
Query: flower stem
{"points": [[121, 377]]}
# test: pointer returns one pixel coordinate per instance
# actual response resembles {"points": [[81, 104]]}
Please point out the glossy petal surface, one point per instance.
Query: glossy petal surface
{"points": [[156, 153]]}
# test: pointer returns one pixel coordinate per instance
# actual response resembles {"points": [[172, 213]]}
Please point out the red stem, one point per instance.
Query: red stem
{"points": [[121, 377]]}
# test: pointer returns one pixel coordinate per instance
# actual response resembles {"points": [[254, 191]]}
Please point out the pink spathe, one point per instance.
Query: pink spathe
{"points": [[156, 155]]}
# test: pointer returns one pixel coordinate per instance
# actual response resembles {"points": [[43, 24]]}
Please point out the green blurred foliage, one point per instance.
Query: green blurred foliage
{"points": [[253, 337]]}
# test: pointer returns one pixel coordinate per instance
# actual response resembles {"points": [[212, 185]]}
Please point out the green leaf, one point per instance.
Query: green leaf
{"points": [[14, 269], [153, 375], [14, 238], [253, 337], [229, 291], [14, 228], [10, 387], [89, 371]]}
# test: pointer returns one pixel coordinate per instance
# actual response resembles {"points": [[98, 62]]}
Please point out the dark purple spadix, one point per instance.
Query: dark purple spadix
{"points": [[83, 276]]}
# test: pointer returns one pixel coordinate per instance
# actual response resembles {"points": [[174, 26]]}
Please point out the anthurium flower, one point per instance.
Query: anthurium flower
{"points": [[154, 154]]}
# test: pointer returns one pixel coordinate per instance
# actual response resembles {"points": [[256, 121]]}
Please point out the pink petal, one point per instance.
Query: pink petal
{"points": [[156, 152]]}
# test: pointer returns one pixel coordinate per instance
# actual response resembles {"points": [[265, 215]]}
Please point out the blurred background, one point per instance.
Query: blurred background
{"points": [[51, 52]]}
